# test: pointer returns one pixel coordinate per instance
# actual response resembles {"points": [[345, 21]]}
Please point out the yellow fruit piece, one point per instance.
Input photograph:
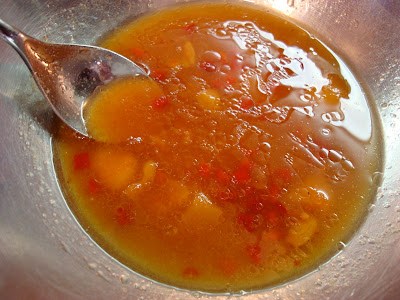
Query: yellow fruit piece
{"points": [[172, 199], [301, 232], [314, 196], [114, 169], [119, 111], [201, 212], [314, 200], [178, 193], [209, 99], [189, 54], [149, 171], [133, 190]]}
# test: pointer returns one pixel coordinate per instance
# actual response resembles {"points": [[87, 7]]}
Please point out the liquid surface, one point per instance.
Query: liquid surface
{"points": [[244, 167]]}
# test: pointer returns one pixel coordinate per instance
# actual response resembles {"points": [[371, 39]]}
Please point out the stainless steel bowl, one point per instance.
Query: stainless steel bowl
{"points": [[44, 253]]}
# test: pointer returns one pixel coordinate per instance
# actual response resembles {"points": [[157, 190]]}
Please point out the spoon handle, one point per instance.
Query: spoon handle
{"points": [[15, 38]]}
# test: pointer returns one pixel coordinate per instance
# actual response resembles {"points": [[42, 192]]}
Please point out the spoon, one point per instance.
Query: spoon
{"points": [[68, 74]]}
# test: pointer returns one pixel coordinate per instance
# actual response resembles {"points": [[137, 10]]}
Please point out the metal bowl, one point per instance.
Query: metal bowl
{"points": [[44, 253]]}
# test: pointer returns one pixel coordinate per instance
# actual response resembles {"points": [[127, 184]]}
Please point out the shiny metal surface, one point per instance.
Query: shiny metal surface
{"points": [[44, 254], [67, 75]]}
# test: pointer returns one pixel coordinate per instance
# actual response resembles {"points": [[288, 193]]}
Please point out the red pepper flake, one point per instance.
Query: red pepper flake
{"points": [[205, 169], [208, 66], [123, 216], [138, 52], [190, 28], [297, 263], [255, 253], [247, 220], [160, 102], [222, 176], [158, 75], [190, 272], [242, 174], [93, 186], [81, 161], [246, 103]]}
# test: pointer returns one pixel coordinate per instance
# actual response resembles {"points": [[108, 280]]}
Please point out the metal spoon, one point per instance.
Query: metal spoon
{"points": [[68, 74]]}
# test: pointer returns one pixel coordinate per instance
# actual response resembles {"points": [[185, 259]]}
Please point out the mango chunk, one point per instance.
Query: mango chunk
{"points": [[315, 196], [113, 168], [189, 54], [172, 199], [178, 193], [313, 199], [118, 111], [202, 212], [149, 171], [301, 232], [209, 99]]}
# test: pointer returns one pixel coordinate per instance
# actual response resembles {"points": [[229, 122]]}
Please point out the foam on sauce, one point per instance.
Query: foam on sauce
{"points": [[245, 165]]}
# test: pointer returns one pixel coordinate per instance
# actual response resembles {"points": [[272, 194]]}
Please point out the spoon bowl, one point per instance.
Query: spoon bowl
{"points": [[67, 75]]}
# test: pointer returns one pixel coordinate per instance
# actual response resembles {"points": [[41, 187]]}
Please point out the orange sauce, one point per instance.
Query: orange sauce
{"points": [[242, 166]]}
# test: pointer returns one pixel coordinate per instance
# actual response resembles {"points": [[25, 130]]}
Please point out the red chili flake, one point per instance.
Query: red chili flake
{"points": [[208, 66], [123, 216], [190, 272], [242, 174], [81, 161], [255, 253], [93, 186], [138, 52], [247, 220], [190, 28], [158, 75], [297, 263], [222, 176], [246, 103], [160, 102], [205, 169], [284, 173]]}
